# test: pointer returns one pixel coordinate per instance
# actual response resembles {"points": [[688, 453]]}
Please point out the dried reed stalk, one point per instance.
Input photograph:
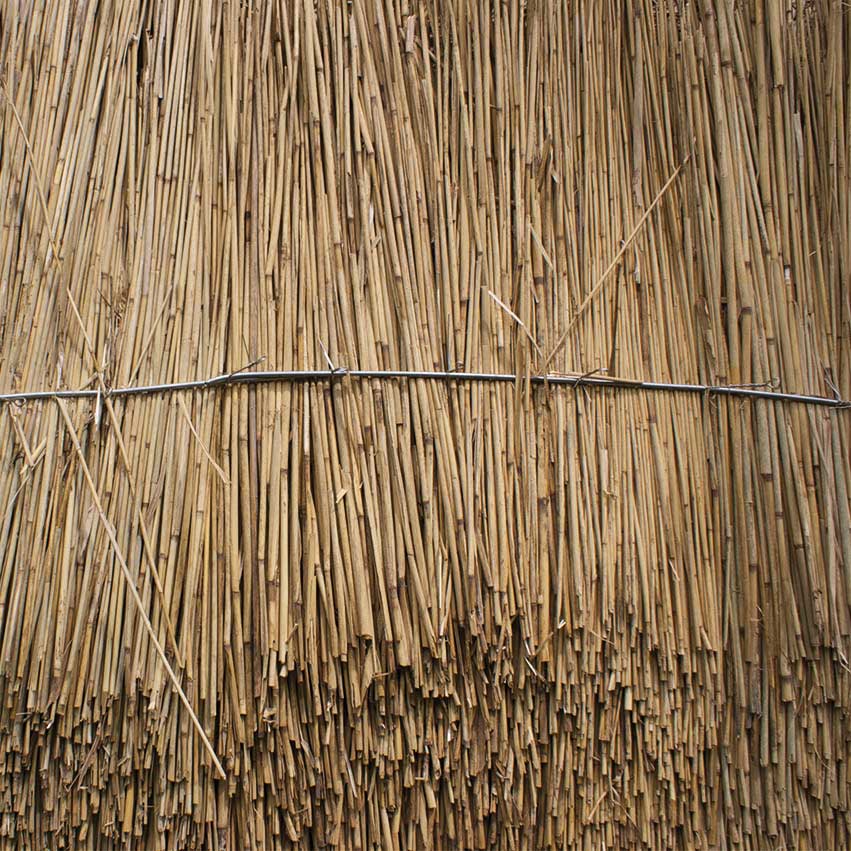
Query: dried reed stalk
{"points": [[414, 614]]}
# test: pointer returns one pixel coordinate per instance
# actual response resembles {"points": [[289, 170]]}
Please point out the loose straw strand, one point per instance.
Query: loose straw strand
{"points": [[134, 593], [595, 290], [34, 171]]}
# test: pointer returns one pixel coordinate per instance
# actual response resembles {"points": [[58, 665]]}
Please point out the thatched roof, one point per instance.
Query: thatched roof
{"points": [[358, 610]]}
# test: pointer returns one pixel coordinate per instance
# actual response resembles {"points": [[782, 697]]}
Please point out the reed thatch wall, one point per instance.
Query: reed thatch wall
{"points": [[412, 613]]}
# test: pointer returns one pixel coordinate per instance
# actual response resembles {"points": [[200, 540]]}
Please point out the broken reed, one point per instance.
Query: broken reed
{"points": [[411, 614]]}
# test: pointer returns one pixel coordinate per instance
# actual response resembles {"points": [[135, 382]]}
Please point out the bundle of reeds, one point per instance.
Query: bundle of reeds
{"points": [[360, 611]]}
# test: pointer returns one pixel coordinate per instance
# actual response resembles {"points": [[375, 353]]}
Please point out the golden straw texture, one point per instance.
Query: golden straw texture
{"points": [[416, 614]]}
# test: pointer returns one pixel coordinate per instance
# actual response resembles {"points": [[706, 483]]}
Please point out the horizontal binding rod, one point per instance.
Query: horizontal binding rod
{"points": [[747, 391]]}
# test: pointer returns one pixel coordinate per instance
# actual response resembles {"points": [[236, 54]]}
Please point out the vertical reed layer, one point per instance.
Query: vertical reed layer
{"points": [[409, 614]]}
